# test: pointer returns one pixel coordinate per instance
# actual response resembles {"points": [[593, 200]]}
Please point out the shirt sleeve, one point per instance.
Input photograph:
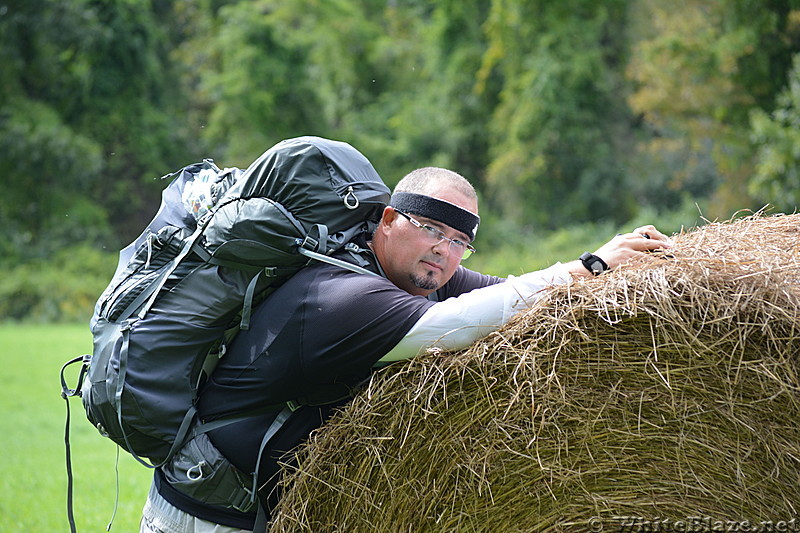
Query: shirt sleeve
{"points": [[465, 280], [457, 322]]}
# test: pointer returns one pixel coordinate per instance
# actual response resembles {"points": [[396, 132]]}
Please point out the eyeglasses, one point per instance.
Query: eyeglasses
{"points": [[434, 236]]}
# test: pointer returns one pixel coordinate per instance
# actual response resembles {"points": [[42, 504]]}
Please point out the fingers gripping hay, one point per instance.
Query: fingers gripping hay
{"points": [[668, 388]]}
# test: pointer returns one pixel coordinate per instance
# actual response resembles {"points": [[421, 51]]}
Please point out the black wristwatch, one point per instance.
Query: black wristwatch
{"points": [[593, 264]]}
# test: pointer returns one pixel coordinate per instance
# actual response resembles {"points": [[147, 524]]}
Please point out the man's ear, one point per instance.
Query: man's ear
{"points": [[388, 217]]}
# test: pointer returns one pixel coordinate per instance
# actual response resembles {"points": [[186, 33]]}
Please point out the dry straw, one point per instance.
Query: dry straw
{"points": [[636, 401]]}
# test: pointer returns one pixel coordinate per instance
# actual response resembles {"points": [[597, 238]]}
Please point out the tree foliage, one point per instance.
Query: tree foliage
{"points": [[560, 126], [561, 113], [87, 112], [777, 135], [700, 67]]}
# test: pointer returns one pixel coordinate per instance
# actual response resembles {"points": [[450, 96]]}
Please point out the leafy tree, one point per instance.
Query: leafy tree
{"points": [[777, 135], [89, 115], [260, 87], [561, 125], [560, 112], [133, 107], [394, 79], [49, 170], [700, 67], [430, 111], [49, 166]]}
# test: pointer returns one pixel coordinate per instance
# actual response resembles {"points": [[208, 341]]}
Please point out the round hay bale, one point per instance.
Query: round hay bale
{"points": [[664, 393]]}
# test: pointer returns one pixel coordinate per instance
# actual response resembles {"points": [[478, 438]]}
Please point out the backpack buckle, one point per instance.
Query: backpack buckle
{"points": [[309, 243], [318, 244]]}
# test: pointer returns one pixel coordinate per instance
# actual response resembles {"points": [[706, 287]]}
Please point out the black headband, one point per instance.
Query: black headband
{"points": [[454, 216]]}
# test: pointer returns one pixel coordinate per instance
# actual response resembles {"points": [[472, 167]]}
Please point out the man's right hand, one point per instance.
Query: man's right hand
{"points": [[624, 247]]}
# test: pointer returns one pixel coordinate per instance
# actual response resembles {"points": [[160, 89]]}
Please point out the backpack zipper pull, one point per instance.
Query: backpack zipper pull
{"points": [[351, 204]]}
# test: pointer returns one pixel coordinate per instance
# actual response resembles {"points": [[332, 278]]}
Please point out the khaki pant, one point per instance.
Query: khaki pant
{"points": [[160, 516]]}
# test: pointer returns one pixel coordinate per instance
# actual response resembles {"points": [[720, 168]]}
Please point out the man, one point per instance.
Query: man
{"points": [[326, 329]]}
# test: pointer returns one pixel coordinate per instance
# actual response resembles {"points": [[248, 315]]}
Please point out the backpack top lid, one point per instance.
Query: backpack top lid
{"points": [[293, 190], [291, 172]]}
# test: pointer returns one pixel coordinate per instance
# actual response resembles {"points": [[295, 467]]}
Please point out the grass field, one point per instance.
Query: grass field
{"points": [[33, 486]]}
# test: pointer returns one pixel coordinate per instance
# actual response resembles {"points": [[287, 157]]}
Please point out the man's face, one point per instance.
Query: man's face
{"points": [[410, 261]]}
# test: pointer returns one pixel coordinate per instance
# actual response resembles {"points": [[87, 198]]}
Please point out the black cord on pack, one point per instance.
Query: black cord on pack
{"points": [[116, 496], [67, 393], [70, 515]]}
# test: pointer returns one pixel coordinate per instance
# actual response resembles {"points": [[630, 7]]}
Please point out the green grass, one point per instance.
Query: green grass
{"points": [[33, 486]]}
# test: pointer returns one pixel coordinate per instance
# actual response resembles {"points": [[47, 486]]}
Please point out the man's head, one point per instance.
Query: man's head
{"points": [[415, 258]]}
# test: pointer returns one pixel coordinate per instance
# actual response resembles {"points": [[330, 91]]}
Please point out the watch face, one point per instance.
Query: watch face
{"points": [[593, 264]]}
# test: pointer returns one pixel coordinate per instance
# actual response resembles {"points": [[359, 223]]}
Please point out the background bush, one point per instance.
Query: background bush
{"points": [[63, 289]]}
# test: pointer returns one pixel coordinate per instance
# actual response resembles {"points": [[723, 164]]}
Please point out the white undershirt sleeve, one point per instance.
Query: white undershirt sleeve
{"points": [[458, 322]]}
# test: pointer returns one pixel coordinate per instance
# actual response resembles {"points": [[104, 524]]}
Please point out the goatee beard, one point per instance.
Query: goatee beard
{"points": [[426, 282]]}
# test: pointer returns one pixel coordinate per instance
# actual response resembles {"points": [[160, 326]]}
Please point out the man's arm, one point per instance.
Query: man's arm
{"points": [[458, 322]]}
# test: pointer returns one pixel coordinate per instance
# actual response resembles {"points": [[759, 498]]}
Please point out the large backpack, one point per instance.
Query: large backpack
{"points": [[222, 241]]}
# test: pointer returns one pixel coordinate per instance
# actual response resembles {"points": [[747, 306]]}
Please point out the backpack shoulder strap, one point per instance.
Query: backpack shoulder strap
{"points": [[334, 261]]}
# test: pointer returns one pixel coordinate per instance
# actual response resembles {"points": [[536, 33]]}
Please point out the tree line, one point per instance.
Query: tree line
{"points": [[560, 112]]}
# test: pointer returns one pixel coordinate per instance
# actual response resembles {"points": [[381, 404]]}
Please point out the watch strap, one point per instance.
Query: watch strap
{"points": [[593, 263]]}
